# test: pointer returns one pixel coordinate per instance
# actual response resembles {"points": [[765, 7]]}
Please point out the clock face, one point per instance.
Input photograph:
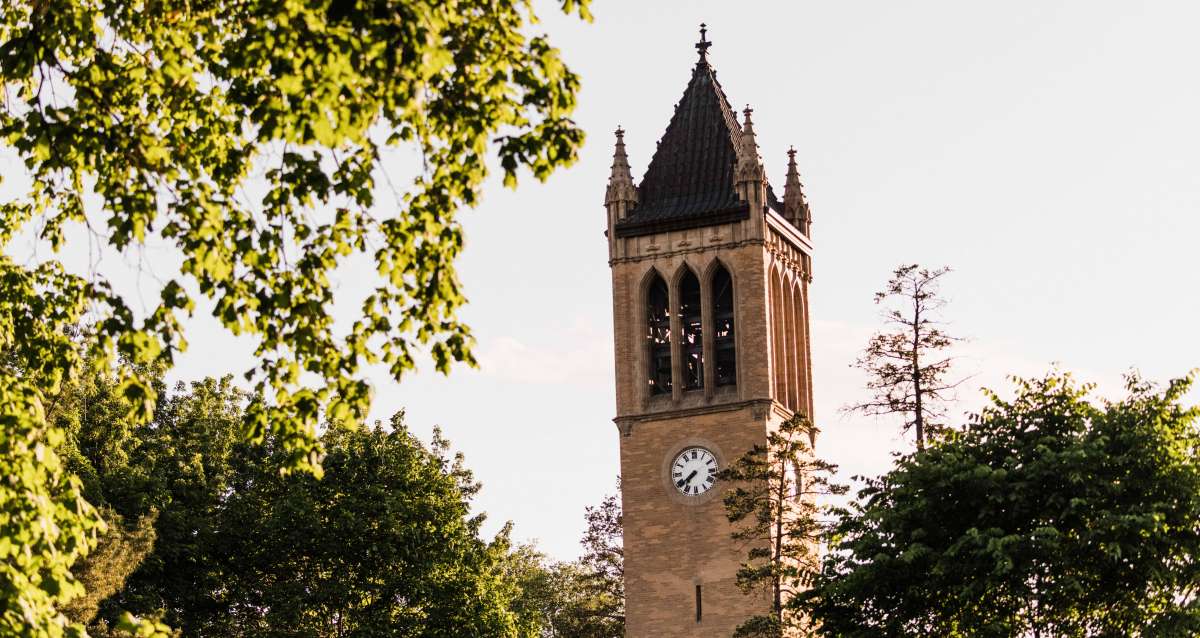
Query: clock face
{"points": [[694, 471]]}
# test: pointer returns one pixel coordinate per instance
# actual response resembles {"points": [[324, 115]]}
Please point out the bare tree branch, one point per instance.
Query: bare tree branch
{"points": [[901, 377]]}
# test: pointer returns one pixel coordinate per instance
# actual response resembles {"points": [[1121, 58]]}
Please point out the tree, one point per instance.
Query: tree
{"points": [[773, 508], [902, 377], [159, 486], [1048, 515], [539, 594], [103, 573], [604, 569], [249, 136], [226, 545], [189, 461], [578, 599], [383, 544], [557, 599]]}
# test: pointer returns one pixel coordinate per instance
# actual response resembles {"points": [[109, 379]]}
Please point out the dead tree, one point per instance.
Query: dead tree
{"points": [[906, 362]]}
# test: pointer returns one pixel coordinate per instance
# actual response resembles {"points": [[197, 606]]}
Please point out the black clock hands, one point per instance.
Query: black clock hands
{"points": [[685, 481]]}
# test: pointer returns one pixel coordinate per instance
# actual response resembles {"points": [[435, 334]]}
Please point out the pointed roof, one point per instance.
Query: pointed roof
{"points": [[795, 208], [690, 180]]}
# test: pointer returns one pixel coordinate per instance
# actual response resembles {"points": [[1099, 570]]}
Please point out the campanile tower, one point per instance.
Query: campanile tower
{"points": [[710, 274]]}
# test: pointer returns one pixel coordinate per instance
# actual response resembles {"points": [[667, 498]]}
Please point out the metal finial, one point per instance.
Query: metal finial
{"points": [[703, 44], [792, 154], [620, 133], [747, 111]]}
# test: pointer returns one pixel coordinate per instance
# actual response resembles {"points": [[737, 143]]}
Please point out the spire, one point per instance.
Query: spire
{"points": [[620, 182], [749, 166], [691, 174], [749, 143], [795, 208], [703, 44]]}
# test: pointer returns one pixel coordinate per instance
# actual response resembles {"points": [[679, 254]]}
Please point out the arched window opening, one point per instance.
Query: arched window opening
{"points": [[693, 343], [726, 356], [659, 337]]}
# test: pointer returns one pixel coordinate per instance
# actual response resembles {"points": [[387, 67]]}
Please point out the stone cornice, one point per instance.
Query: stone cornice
{"points": [[689, 249], [626, 422], [789, 232]]}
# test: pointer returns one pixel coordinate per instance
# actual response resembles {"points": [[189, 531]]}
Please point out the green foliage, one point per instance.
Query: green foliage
{"points": [[45, 524], [603, 566], [559, 600], [164, 114], [159, 123], [1050, 514], [169, 473], [773, 508], [580, 599], [907, 372], [182, 466], [383, 544], [384, 540], [120, 551]]}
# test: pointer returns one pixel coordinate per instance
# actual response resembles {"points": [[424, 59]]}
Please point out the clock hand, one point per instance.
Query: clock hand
{"points": [[685, 481]]}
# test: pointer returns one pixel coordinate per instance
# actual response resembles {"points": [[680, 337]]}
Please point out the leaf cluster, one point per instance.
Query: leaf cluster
{"points": [[578, 599], [773, 507], [1049, 514], [385, 543], [561, 599], [249, 136]]}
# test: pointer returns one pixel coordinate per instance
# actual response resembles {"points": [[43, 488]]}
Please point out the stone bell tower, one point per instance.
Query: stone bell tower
{"points": [[710, 276]]}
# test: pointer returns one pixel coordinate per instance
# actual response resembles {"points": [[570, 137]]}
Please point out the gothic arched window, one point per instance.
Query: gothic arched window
{"points": [[659, 337], [693, 342], [723, 335]]}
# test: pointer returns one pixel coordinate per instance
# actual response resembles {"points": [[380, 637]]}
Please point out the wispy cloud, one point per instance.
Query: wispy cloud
{"points": [[580, 355]]}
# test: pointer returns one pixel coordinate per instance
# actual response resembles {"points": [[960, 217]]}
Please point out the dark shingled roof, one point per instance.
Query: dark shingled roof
{"points": [[689, 182]]}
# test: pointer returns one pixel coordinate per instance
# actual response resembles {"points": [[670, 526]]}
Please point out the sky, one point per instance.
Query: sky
{"points": [[1047, 151]]}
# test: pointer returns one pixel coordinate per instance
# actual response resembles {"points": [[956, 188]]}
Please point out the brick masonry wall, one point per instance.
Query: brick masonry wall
{"points": [[674, 542]]}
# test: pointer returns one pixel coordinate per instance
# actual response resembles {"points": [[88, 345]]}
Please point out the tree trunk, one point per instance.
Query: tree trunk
{"points": [[781, 495], [919, 412]]}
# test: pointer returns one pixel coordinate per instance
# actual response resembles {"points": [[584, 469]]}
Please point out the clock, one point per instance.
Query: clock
{"points": [[694, 471]]}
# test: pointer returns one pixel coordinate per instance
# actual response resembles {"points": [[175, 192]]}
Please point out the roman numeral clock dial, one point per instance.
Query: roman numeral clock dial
{"points": [[694, 471]]}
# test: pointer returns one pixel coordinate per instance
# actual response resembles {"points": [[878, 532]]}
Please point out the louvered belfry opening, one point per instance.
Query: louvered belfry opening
{"points": [[693, 341], [725, 357], [659, 336]]}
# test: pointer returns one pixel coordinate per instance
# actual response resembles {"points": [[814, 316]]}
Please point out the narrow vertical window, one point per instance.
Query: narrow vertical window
{"points": [[659, 337], [725, 357], [699, 608], [693, 343]]}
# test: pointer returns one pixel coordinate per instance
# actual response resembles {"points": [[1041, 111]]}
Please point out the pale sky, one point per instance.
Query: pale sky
{"points": [[1048, 151]]}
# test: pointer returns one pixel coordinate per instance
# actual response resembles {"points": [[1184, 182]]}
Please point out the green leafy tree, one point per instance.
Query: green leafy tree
{"points": [[908, 373], [384, 544], [159, 486], [1050, 514], [45, 523], [537, 594], [250, 136], [117, 555], [187, 466], [773, 507], [578, 599], [603, 566], [561, 601]]}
